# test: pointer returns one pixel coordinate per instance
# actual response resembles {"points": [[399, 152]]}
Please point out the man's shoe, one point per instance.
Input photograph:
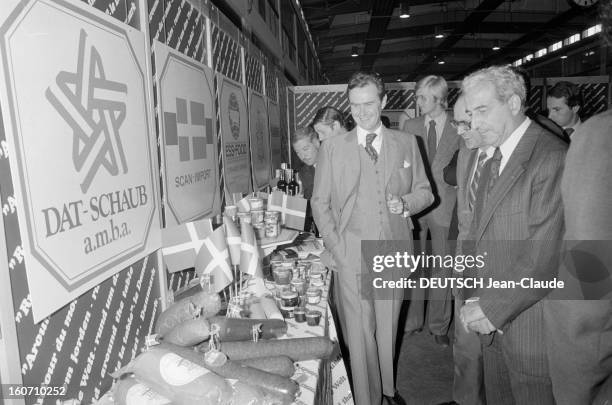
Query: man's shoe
{"points": [[442, 340], [395, 400]]}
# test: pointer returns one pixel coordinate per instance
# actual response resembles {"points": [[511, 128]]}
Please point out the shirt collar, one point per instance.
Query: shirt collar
{"points": [[361, 134], [510, 144], [440, 121]]}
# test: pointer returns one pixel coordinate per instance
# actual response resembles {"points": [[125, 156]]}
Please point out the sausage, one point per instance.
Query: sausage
{"points": [[238, 329], [281, 365]]}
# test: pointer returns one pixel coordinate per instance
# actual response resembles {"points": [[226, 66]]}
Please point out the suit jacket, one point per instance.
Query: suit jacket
{"points": [[307, 174], [445, 195], [521, 225], [337, 178]]}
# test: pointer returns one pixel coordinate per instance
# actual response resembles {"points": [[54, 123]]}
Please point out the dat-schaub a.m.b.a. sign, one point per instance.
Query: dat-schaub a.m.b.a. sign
{"points": [[77, 118]]}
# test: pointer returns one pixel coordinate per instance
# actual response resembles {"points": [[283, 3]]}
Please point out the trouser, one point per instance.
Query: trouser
{"points": [[579, 339], [370, 332], [440, 300], [515, 363], [468, 381]]}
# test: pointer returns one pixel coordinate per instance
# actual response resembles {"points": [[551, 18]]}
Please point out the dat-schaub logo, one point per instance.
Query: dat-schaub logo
{"points": [[94, 107]]}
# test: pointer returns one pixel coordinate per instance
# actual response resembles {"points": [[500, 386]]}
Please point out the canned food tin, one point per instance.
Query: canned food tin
{"points": [[257, 216], [244, 217], [289, 299], [256, 203], [287, 312]]}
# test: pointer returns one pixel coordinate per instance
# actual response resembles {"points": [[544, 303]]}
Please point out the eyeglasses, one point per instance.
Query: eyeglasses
{"points": [[463, 125]]}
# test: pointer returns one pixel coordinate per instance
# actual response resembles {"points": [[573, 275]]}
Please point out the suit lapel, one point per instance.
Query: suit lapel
{"points": [[447, 140], [351, 170], [512, 171], [390, 153]]}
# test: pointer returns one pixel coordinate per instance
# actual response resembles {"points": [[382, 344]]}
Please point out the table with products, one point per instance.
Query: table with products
{"points": [[321, 381]]}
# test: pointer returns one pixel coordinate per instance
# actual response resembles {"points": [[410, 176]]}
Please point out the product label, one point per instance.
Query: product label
{"points": [[176, 370]]}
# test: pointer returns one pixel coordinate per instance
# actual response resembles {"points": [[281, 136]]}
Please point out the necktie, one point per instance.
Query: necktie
{"points": [[431, 141], [369, 148], [474, 185], [490, 174]]}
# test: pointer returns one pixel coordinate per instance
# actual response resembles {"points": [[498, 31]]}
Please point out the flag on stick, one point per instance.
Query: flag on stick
{"points": [[213, 258], [292, 209], [250, 260], [233, 240], [181, 243]]}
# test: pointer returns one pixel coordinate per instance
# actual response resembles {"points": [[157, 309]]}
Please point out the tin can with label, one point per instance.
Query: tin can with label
{"points": [[256, 203], [244, 217], [257, 216], [272, 221]]}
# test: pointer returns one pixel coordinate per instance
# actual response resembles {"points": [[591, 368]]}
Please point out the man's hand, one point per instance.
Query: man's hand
{"points": [[474, 319], [395, 204]]}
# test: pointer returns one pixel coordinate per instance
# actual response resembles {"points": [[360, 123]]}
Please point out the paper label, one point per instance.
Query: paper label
{"points": [[140, 394], [176, 370]]}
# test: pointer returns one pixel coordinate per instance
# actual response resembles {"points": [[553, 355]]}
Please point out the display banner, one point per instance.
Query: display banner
{"points": [[259, 137], [79, 136], [186, 123], [308, 99], [275, 134], [234, 135]]}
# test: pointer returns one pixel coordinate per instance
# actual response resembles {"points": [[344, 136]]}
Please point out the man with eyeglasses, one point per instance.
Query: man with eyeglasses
{"points": [[468, 386]]}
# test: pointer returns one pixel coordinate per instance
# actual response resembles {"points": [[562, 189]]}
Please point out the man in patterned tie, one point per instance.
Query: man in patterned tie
{"points": [[517, 225], [564, 102], [351, 203], [468, 382], [434, 129]]}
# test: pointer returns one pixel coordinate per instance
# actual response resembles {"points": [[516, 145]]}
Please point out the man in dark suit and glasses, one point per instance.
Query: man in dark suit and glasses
{"points": [[518, 222]]}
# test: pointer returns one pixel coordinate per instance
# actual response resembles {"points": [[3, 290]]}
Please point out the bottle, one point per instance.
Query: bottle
{"points": [[292, 186], [276, 179], [282, 184]]}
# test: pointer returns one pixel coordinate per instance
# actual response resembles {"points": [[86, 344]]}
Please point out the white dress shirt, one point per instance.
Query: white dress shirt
{"points": [[509, 144]]}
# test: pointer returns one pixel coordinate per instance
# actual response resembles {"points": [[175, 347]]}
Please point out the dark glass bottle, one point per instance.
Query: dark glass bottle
{"points": [[282, 184], [292, 186]]}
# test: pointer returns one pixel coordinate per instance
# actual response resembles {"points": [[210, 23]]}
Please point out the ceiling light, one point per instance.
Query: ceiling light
{"points": [[563, 56], [441, 62], [399, 79], [355, 52], [439, 36], [496, 48], [404, 10]]}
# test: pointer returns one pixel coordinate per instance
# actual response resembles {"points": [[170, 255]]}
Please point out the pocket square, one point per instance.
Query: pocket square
{"points": [[406, 164]]}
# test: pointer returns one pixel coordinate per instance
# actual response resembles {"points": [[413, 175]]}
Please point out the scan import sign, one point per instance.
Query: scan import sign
{"points": [[76, 114]]}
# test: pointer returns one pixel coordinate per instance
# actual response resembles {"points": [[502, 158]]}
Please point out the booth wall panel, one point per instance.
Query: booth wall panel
{"points": [[307, 104], [595, 96], [226, 54], [80, 344], [254, 73], [271, 85]]}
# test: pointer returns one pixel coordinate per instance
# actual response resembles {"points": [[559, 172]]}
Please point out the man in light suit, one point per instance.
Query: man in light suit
{"points": [[350, 203], [518, 222], [440, 142]]}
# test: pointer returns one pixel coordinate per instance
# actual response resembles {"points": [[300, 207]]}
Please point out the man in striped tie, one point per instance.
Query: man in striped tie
{"points": [[468, 387]]}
